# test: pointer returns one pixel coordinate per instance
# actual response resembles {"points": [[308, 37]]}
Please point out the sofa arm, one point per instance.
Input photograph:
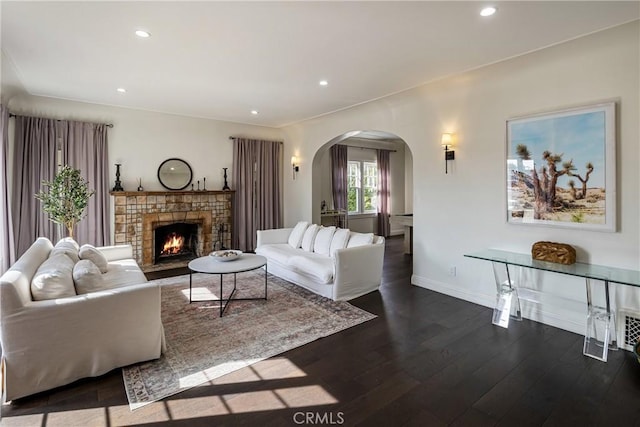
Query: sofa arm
{"points": [[358, 271], [114, 253], [270, 237], [55, 342]]}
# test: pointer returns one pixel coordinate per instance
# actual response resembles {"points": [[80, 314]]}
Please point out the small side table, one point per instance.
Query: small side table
{"points": [[246, 262]]}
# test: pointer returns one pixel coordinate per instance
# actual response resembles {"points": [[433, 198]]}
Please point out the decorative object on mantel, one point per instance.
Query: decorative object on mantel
{"points": [[175, 174], [204, 184], [226, 185], [140, 188], [118, 186], [560, 253]]}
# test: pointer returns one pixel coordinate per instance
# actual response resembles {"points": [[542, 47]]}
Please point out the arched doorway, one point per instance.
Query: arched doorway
{"points": [[362, 146]]}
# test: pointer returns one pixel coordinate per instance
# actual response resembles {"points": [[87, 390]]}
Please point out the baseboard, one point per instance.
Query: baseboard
{"points": [[531, 311]]}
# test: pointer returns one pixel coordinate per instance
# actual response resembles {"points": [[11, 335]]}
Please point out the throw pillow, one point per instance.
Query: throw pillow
{"points": [[339, 241], [295, 238], [309, 237], [360, 239], [88, 252], [87, 277], [66, 246], [53, 279], [322, 243]]}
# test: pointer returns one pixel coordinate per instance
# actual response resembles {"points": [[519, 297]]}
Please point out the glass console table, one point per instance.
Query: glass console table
{"points": [[600, 335]]}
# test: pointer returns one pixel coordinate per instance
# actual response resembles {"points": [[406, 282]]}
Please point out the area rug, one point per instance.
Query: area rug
{"points": [[202, 346]]}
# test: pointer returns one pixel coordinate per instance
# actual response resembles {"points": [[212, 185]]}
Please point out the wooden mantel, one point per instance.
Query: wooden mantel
{"points": [[164, 193]]}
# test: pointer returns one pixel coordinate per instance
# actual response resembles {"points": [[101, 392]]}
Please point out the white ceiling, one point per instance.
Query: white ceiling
{"points": [[220, 60]]}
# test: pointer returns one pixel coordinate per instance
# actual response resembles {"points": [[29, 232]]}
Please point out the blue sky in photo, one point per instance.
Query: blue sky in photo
{"points": [[580, 137]]}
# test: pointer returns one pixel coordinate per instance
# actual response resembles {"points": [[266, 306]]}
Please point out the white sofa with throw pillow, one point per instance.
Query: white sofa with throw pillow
{"points": [[63, 318], [333, 262]]}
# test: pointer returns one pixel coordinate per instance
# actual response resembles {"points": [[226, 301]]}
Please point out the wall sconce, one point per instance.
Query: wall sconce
{"points": [[447, 141], [295, 166]]}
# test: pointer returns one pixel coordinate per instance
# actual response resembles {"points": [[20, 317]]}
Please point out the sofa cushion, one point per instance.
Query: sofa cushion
{"points": [[53, 279], [123, 272], [66, 246], [313, 265], [309, 237], [322, 243], [295, 238], [360, 239], [339, 240], [279, 252], [88, 252], [87, 277]]}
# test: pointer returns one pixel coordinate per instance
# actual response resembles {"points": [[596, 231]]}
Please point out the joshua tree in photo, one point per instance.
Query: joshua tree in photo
{"points": [[545, 182], [589, 167]]}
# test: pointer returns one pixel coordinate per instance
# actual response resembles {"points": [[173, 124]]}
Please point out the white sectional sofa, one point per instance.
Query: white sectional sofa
{"points": [[335, 263], [54, 341]]}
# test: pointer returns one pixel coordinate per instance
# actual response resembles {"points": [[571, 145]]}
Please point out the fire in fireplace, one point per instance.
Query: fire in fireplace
{"points": [[175, 241]]}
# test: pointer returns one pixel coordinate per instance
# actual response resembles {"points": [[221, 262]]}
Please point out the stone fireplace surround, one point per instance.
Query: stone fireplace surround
{"points": [[138, 213]]}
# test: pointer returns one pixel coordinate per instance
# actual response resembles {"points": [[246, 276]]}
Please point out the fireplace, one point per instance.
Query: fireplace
{"points": [[175, 242]]}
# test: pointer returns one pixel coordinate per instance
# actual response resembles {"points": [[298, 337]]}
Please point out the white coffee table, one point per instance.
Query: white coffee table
{"points": [[246, 262]]}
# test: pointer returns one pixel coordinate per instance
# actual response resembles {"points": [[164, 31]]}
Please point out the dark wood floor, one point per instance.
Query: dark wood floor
{"points": [[427, 360]]}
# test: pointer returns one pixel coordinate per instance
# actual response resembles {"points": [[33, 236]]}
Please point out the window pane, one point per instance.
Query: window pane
{"points": [[352, 200], [370, 184]]}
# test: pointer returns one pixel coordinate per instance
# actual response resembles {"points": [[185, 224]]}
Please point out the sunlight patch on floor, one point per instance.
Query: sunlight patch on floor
{"points": [[275, 368], [23, 420], [213, 372], [88, 416], [199, 294]]}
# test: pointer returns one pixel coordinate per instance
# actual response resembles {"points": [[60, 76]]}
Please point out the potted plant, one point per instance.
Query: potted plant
{"points": [[66, 199]]}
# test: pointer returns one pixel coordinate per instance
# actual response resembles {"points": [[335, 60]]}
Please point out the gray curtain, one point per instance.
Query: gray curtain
{"points": [[268, 173], [85, 147], [257, 167], [383, 192], [339, 171], [34, 161], [7, 247], [82, 146]]}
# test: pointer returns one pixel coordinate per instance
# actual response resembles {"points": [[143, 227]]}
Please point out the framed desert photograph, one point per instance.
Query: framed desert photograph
{"points": [[561, 168]]}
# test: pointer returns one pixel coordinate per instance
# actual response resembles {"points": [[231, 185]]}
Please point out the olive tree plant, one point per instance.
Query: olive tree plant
{"points": [[65, 198]]}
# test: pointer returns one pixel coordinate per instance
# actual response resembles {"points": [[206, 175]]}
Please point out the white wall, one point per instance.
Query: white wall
{"points": [[142, 140], [464, 210]]}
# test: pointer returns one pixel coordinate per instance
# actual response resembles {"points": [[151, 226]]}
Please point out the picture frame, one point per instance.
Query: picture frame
{"points": [[561, 168]]}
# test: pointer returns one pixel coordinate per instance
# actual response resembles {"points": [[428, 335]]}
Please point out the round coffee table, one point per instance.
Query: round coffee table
{"points": [[246, 262]]}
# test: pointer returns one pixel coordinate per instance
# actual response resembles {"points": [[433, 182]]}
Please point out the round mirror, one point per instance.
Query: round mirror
{"points": [[175, 174]]}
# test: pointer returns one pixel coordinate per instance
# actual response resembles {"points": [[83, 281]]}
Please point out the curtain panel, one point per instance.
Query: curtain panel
{"points": [[384, 195], [339, 184], [257, 172], [82, 146], [7, 246]]}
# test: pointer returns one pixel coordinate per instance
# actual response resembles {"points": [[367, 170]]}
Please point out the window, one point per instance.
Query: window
{"points": [[362, 179]]}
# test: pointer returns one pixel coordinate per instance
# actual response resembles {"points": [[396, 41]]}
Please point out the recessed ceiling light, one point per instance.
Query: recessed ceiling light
{"points": [[142, 33], [488, 11], [323, 83], [121, 90], [254, 112]]}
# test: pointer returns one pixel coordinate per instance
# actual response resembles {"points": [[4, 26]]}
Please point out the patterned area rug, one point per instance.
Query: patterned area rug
{"points": [[202, 346]]}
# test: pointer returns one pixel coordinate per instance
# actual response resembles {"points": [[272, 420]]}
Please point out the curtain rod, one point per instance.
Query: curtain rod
{"points": [[109, 125], [237, 137], [369, 148]]}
